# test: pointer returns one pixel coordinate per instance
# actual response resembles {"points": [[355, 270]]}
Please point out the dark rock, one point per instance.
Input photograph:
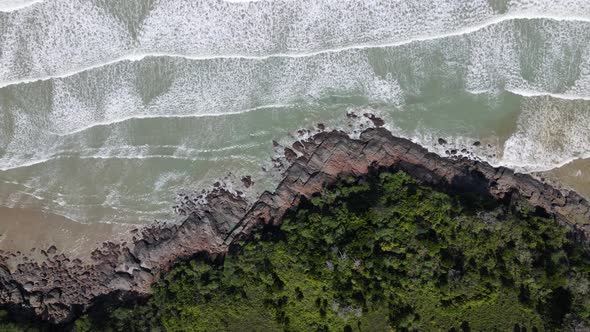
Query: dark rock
{"points": [[351, 115], [476, 143], [247, 181], [298, 146], [442, 141], [290, 155], [378, 122], [59, 288], [52, 250]]}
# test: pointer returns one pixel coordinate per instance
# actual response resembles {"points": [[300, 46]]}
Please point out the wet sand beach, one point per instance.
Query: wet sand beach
{"points": [[574, 175], [107, 122], [21, 230]]}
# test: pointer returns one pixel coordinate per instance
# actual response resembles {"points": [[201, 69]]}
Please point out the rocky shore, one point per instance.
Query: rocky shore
{"points": [[59, 288]]}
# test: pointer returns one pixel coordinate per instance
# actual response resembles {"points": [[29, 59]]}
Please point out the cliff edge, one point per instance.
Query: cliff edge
{"points": [[57, 289]]}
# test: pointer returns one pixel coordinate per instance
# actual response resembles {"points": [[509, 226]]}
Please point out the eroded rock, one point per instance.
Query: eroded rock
{"points": [[58, 287]]}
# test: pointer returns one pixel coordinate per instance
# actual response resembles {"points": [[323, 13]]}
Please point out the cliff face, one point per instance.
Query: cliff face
{"points": [[58, 288]]}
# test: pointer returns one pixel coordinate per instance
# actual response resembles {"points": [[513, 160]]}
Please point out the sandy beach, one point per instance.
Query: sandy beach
{"points": [[22, 230], [29, 231], [574, 175]]}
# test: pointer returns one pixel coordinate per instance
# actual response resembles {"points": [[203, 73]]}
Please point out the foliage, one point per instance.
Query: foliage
{"points": [[7, 324], [379, 254]]}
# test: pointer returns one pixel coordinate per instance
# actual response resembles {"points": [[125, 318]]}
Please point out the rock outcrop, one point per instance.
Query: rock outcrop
{"points": [[58, 288]]}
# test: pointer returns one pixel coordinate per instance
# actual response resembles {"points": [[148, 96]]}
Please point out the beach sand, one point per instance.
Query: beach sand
{"points": [[21, 230], [574, 175]]}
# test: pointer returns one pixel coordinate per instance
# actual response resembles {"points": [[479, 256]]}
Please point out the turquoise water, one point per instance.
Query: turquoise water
{"points": [[109, 108]]}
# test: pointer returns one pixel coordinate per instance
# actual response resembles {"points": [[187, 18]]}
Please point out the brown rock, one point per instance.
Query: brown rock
{"points": [[290, 155], [59, 287]]}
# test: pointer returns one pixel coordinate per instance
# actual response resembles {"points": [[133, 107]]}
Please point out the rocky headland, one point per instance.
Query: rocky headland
{"points": [[58, 288]]}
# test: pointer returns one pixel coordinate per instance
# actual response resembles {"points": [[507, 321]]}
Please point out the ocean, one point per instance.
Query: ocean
{"points": [[109, 108]]}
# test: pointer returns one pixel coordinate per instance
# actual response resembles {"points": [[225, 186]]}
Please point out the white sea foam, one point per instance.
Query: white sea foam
{"points": [[12, 5], [163, 116], [130, 157], [244, 1], [93, 88], [191, 89], [532, 93], [517, 150], [551, 133], [205, 29], [565, 96], [112, 95], [130, 152], [38, 42], [138, 55]]}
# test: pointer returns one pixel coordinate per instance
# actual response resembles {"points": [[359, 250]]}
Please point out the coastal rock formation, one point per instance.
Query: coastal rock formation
{"points": [[58, 289]]}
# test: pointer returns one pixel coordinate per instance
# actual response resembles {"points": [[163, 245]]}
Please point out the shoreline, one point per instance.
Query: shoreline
{"points": [[60, 287], [574, 175], [30, 231]]}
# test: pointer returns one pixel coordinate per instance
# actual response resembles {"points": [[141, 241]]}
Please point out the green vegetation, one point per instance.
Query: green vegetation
{"points": [[8, 325], [379, 254]]}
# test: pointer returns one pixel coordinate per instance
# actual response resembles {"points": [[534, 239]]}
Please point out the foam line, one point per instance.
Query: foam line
{"points": [[467, 30], [158, 116], [26, 164], [7, 6], [156, 156], [530, 168], [58, 156], [70, 154], [138, 157], [518, 167], [243, 1], [530, 93]]}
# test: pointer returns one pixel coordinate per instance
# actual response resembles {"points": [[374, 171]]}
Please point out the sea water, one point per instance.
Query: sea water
{"points": [[109, 108]]}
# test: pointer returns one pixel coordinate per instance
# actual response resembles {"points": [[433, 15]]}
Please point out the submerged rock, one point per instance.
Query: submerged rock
{"points": [[377, 121], [247, 181]]}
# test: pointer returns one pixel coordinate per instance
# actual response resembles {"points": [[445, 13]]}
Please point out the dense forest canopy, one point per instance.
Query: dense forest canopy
{"points": [[378, 253]]}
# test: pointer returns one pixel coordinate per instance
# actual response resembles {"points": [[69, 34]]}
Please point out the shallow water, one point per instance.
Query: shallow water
{"points": [[108, 108]]}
